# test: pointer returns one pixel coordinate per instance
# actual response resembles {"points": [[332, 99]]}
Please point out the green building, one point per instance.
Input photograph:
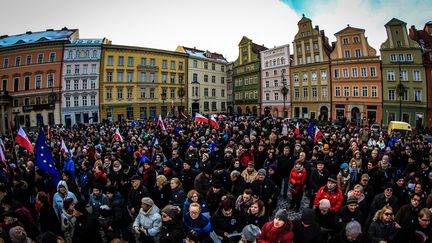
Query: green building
{"points": [[404, 79], [247, 78]]}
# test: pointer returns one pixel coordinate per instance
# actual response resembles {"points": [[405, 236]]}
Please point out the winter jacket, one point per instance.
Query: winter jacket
{"points": [[249, 178], [335, 197], [407, 215], [58, 198], [309, 234], [161, 196], [121, 216], [297, 180], [222, 223], [380, 230], [204, 208], [48, 220], [135, 196], [95, 201], [318, 179], [178, 197], [86, 230], [202, 183], [69, 166], [151, 221], [265, 189], [187, 177], [344, 216], [285, 164], [171, 232], [270, 234], [380, 201], [67, 226], [257, 219], [201, 225], [238, 186]]}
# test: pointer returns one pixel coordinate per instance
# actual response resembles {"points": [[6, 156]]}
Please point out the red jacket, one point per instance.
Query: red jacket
{"points": [[270, 234], [246, 157], [297, 179], [335, 197]]}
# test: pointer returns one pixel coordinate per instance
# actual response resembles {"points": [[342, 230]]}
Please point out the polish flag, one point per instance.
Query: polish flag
{"points": [[64, 149], [23, 140], [213, 122], [200, 118], [318, 134], [2, 145], [297, 130], [117, 136], [49, 132], [160, 123]]}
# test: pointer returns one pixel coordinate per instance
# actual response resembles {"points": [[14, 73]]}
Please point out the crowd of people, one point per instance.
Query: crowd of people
{"points": [[192, 182]]}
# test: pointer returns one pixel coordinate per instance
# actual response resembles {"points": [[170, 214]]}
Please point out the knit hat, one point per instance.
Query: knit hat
{"points": [[193, 235], [365, 176], [351, 200], [389, 185], [135, 177], [17, 234], [273, 166], [171, 211], [148, 201], [262, 172], [324, 204], [81, 207], [282, 214], [308, 216], [250, 232], [344, 166], [332, 178], [353, 228]]}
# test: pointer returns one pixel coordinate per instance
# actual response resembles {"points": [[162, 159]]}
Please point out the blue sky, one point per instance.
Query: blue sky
{"points": [[216, 26]]}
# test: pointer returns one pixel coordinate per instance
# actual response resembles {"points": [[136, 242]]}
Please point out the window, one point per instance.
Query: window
{"points": [[336, 73], [305, 92], [390, 75], [164, 78], [345, 41], [354, 72], [405, 95], [323, 75], [393, 58], [172, 65], [67, 85], [345, 72], [300, 61], [130, 61], [119, 93], [314, 92], [276, 96], [307, 47], [108, 93], [69, 56], [142, 92], [206, 78], [29, 60], [401, 57], [206, 106], [267, 95], [317, 58], [222, 93], [143, 61], [416, 75], [355, 91], [347, 54], [315, 46], [40, 58], [109, 76], [195, 77], [314, 76], [50, 78], [129, 113], [364, 91], [76, 84], [68, 69], [337, 92], [17, 61], [267, 84], [77, 68], [120, 61], [38, 80], [172, 92], [195, 64], [356, 39], [213, 92], [222, 80], [5, 62], [26, 101], [213, 66], [373, 72], [152, 77], [110, 60], [296, 93], [403, 75], [85, 68], [87, 54], [16, 84], [346, 91], [77, 54], [206, 92], [363, 72], [142, 77], [119, 77], [94, 55], [76, 101], [172, 78], [324, 92], [93, 68], [84, 84], [357, 53], [276, 83], [129, 93], [417, 95], [308, 59], [67, 99], [93, 84], [164, 64], [213, 79], [152, 62], [392, 94], [305, 76], [409, 57], [222, 68], [296, 77], [52, 57], [84, 100], [205, 65], [92, 100], [130, 77]]}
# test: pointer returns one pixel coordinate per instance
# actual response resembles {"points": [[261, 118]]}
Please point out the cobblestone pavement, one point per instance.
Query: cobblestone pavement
{"points": [[285, 203]]}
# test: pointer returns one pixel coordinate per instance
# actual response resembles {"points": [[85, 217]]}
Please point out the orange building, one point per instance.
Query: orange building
{"points": [[356, 78]]}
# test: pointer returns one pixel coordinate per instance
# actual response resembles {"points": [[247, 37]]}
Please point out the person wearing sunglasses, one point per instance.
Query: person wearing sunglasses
{"points": [[383, 227]]}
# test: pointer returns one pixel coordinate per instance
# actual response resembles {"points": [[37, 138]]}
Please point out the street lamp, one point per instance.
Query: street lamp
{"points": [[401, 90], [284, 93], [163, 97]]}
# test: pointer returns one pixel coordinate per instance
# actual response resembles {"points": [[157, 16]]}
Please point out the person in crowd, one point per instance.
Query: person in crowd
{"points": [[285, 163], [280, 229], [407, 214], [148, 223], [178, 195], [350, 234], [97, 199], [68, 220], [383, 228], [383, 199], [202, 181], [256, 214], [161, 193], [59, 197], [249, 234], [420, 230], [226, 220], [86, 226], [318, 179], [307, 229], [195, 221], [121, 219], [244, 201], [357, 192], [297, 181], [350, 212], [266, 190], [344, 178], [331, 192], [172, 230], [187, 176], [238, 183], [47, 217], [249, 174], [136, 193]]}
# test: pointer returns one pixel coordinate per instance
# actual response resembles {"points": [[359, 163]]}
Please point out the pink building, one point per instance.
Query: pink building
{"points": [[275, 82]]}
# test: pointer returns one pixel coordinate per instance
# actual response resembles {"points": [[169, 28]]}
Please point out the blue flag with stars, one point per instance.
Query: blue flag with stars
{"points": [[44, 159]]}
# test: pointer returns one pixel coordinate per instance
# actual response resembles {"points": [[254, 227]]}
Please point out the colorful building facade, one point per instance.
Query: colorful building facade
{"points": [[142, 83], [310, 73], [30, 72], [356, 78], [424, 39], [230, 87], [275, 82], [80, 81], [247, 78], [207, 87], [404, 79]]}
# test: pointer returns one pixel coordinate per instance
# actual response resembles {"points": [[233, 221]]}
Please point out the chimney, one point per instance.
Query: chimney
{"points": [[322, 33], [50, 30], [317, 27], [64, 28], [412, 33], [333, 45], [28, 32]]}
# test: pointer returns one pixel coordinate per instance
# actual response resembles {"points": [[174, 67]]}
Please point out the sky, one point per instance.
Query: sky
{"points": [[213, 25]]}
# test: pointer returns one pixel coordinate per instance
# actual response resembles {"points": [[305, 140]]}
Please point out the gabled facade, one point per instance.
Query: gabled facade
{"points": [[247, 78], [207, 87], [142, 83], [356, 78], [30, 73], [80, 81], [404, 80], [275, 82], [310, 73], [424, 39]]}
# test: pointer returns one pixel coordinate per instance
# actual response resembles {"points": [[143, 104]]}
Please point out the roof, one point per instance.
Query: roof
{"points": [[258, 48], [304, 20], [349, 28], [36, 37], [87, 41], [193, 52], [395, 22]]}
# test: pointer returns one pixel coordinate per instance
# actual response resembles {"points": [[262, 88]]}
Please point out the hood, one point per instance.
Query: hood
{"points": [[62, 183], [153, 210]]}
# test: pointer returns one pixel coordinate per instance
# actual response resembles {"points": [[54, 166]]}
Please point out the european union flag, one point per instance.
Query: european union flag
{"points": [[44, 160], [310, 128]]}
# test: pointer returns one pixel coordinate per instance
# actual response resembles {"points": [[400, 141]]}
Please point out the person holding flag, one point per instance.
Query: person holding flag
{"points": [[23, 140], [213, 122], [44, 159]]}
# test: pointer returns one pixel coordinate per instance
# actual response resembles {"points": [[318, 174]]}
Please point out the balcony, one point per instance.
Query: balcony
{"points": [[148, 68]]}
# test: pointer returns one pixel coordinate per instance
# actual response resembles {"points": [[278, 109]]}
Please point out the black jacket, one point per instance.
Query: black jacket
{"points": [[187, 178], [265, 190], [86, 230], [48, 220], [135, 196], [379, 230], [171, 232], [309, 234], [221, 223]]}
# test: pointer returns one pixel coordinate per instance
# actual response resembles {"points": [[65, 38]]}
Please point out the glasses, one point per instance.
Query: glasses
{"points": [[389, 189], [193, 213], [388, 214], [164, 215]]}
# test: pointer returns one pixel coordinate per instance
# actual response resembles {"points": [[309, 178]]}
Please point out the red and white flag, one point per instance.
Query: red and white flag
{"points": [[213, 122], [64, 149], [160, 123], [23, 140], [49, 132], [2, 145], [297, 130], [318, 134], [200, 118], [117, 136]]}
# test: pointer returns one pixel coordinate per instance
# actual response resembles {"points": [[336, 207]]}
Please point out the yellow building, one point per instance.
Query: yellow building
{"points": [[141, 83]]}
